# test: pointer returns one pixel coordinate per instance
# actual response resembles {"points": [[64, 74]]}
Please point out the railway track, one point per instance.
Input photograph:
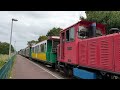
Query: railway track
{"points": [[51, 70]]}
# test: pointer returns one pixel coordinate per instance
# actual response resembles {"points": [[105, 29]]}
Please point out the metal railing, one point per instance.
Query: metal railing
{"points": [[5, 70]]}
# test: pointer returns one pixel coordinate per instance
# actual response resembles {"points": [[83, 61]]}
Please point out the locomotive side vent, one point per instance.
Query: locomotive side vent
{"points": [[105, 53], [92, 53], [83, 53]]}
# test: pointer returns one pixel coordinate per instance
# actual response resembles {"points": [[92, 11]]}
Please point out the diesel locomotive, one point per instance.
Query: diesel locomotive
{"points": [[83, 50]]}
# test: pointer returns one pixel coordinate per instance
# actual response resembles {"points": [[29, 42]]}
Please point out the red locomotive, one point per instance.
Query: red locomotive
{"points": [[86, 49]]}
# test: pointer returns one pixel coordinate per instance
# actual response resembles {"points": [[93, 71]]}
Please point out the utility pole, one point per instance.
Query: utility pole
{"points": [[11, 36]]}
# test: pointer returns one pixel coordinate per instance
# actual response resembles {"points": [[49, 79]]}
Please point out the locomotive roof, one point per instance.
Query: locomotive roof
{"points": [[85, 22]]}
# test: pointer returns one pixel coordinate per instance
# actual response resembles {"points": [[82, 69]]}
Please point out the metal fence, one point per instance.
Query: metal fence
{"points": [[5, 70]]}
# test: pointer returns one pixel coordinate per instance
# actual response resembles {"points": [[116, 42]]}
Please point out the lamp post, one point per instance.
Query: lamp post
{"points": [[14, 47], [11, 36]]}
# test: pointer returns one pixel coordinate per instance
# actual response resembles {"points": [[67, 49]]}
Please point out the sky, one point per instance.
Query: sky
{"points": [[32, 24]]}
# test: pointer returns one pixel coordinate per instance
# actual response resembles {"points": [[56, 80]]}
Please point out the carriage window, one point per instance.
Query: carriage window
{"points": [[39, 49], [45, 47], [33, 49], [55, 43], [28, 51], [70, 34], [42, 47], [36, 49]]}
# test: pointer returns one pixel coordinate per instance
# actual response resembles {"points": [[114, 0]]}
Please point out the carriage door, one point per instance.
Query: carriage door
{"points": [[62, 45]]}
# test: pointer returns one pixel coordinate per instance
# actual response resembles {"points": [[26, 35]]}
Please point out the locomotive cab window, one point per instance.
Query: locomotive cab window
{"points": [[67, 35], [98, 32], [82, 32], [70, 34]]}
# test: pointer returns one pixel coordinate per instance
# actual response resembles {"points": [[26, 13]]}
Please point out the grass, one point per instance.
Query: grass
{"points": [[3, 59]]}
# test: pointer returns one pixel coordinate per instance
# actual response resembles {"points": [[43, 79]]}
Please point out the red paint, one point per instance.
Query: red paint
{"points": [[97, 52], [72, 56], [106, 52], [117, 52], [83, 58], [101, 52]]}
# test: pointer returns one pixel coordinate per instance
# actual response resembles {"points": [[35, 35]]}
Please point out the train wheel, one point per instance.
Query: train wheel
{"points": [[53, 66], [56, 68], [70, 72], [114, 77], [65, 71], [103, 73]]}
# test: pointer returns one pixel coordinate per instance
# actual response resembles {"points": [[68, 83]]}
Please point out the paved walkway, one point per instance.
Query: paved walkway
{"points": [[25, 69]]}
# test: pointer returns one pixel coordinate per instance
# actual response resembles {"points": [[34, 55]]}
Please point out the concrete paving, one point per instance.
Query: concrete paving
{"points": [[25, 69]]}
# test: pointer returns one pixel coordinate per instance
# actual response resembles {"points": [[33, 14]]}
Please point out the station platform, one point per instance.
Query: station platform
{"points": [[26, 69]]}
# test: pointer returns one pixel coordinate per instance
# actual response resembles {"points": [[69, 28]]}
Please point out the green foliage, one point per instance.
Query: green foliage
{"points": [[4, 48], [3, 59], [30, 43], [42, 38], [54, 32], [110, 18], [82, 18]]}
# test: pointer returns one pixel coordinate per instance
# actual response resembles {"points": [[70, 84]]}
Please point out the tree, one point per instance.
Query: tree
{"points": [[54, 32], [4, 48], [42, 38], [82, 18], [30, 43], [110, 18]]}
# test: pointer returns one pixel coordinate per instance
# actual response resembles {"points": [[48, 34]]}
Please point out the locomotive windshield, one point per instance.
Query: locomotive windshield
{"points": [[84, 32], [98, 32]]}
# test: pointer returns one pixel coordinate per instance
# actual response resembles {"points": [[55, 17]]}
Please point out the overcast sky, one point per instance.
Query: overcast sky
{"points": [[32, 24]]}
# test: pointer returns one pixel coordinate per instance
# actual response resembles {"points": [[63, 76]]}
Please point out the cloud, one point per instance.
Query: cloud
{"points": [[32, 24]]}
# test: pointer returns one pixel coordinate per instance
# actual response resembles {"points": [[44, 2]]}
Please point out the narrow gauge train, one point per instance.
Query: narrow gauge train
{"points": [[45, 51], [86, 51]]}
